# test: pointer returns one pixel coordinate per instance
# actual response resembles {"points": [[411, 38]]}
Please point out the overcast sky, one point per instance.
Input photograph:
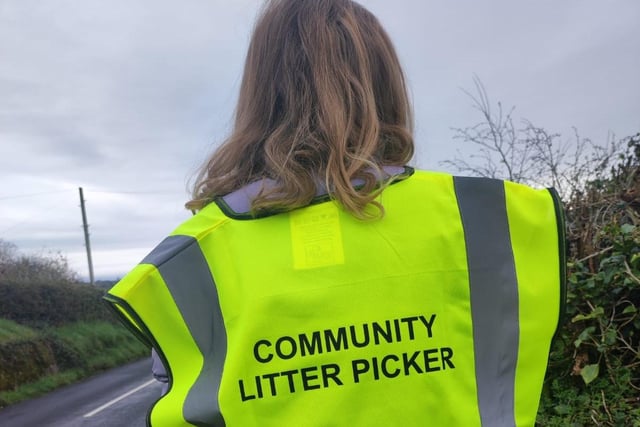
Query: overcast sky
{"points": [[125, 98]]}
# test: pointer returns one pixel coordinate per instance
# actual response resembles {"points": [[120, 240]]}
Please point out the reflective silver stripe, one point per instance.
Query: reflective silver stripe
{"points": [[184, 269], [494, 296]]}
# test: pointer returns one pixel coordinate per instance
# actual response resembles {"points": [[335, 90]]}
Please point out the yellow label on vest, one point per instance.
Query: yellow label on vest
{"points": [[316, 239]]}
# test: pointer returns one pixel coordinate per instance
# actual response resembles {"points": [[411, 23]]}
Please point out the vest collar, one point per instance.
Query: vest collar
{"points": [[237, 204]]}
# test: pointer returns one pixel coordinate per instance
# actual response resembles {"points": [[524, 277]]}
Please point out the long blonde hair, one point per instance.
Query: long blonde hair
{"points": [[323, 99]]}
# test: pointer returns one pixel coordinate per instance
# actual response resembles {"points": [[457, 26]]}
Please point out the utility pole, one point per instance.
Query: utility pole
{"points": [[86, 236]]}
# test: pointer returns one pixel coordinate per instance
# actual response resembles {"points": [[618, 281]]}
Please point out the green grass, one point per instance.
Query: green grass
{"points": [[43, 385], [80, 349], [11, 331], [102, 345]]}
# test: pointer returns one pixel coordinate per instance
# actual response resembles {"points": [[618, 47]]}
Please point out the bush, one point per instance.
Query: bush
{"points": [[594, 376], [53, 330], [593, 369], [43, 305], [82, 348], [22, 361], [42, 291], [17, 268], [10, 331]]}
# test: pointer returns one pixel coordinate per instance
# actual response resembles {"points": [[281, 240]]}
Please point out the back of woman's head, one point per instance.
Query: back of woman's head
{"points": [[322, 102]]}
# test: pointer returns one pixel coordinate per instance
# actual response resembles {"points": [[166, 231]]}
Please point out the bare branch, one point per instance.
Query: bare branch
{"points": [[528, 154]]}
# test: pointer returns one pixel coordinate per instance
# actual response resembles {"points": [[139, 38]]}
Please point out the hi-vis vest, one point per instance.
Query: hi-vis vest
{"points": [[440, 314]]}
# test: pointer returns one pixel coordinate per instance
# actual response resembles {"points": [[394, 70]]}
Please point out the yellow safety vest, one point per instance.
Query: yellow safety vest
{"points": [[440, 314]]}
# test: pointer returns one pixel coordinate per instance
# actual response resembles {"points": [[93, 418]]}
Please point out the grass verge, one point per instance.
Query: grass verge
{"points": [[10, 331], [79, 350]]}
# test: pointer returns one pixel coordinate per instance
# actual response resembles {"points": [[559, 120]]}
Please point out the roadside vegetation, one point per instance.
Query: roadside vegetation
{"points": [[593, 376], [53, 330]]}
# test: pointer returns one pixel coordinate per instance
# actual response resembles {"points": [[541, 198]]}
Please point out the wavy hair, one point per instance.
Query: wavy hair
{"points": [[323, 100]]}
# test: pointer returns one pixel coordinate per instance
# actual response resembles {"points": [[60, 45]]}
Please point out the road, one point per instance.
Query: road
{"points": [[117, 398]]}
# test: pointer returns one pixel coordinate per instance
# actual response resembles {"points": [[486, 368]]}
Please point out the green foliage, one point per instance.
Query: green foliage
{"points": [[12, 331], [593, 368], [94, 345], [41, 386], [42, 291], [566, 402], [43, 305], [593, 376], [53, 333], [24, 360], [58, 356]]}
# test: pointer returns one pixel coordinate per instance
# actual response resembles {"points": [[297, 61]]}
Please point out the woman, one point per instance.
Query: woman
{"points": [[324, 282]]}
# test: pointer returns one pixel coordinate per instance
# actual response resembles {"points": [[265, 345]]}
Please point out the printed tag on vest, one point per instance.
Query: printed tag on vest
{"points": [[316, 239]]}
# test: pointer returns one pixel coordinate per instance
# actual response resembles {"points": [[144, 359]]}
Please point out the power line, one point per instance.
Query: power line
{"points": [[132, 192], [19, 196], [44, 193]]}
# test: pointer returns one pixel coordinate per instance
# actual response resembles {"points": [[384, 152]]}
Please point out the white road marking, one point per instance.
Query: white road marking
{"points": [[117, 399]]}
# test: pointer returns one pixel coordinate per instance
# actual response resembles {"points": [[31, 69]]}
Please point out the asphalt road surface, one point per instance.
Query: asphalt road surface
{"points": [[117, 398]]}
